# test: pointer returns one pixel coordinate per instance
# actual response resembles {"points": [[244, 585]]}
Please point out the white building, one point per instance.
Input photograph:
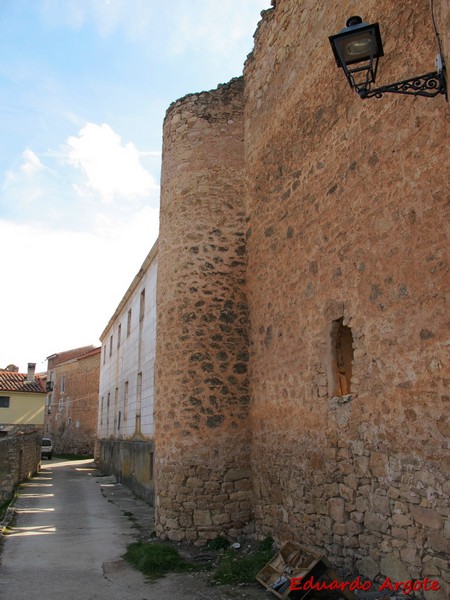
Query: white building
{"points": [[126, 397]]}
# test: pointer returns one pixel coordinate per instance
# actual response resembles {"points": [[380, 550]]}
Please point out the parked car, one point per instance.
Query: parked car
{"points": [[47, 448]]}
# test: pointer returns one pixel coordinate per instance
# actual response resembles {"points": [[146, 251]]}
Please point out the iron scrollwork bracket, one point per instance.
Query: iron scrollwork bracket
{"points": [[428, 85]]}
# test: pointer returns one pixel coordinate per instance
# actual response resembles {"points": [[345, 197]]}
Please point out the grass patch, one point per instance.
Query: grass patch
{"points": [[155, 560], [10, 501], [4, 507], [237, 567], [218, 543]]}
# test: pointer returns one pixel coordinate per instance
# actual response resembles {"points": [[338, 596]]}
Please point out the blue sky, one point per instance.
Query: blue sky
{"points": [[84, 86]]}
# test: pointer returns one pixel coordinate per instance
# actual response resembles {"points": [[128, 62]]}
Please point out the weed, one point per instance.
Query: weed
{"points": [[218, 543], [3, 508], [155, 560], [237, 567]]}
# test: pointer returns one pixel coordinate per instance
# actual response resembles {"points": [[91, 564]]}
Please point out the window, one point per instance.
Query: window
{"points": [[4, 401], [129, 323], [119, 420], [138, 402], [139, 394], [110, 345], [125, 401], [342, 354], [104, 354], [63, 383], [107, 412], [119, 334], [116, 399], [142, 306]]}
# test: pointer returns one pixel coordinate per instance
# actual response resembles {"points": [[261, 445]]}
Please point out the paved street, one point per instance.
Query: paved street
{"points": [[68, 539]]}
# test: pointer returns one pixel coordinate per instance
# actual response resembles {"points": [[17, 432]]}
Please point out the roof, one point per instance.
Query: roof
{"points": [[90, 353], [60, 357], [16, 382]]}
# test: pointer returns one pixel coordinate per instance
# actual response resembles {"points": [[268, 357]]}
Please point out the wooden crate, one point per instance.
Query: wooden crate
{"points": [[293, 560]]}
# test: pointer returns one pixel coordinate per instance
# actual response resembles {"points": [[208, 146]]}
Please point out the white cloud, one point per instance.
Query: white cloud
{"points": [[31, 163], [112, 169], [63, 286]]}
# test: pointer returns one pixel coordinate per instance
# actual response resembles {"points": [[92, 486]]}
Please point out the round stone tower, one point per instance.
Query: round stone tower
{"points": [[202, 436]]}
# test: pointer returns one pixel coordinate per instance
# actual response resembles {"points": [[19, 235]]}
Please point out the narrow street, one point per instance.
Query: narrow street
{"points": [[68, 539]]}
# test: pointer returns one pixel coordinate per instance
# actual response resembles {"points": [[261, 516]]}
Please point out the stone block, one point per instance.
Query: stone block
{"points": [[381, 505], [410, 556], [368, 567], [202, 518], [442, 594], [391, 566], [361, 465], [362, 504], [237, 474], [176, 535], [376, 522], [336, 508], [437, 542], [346, 492], [427, 517], [194, 482], [379, 464]]}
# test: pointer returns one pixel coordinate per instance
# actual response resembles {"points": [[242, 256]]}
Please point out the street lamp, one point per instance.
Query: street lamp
{"points": [[357, 49]]}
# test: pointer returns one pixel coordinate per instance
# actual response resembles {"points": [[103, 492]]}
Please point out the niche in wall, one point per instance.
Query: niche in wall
{"points": [[342, 357]]}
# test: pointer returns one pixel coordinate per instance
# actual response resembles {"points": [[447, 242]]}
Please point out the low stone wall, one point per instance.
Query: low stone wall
{"points": [[131, 462], [20, 457], [69, 440]]}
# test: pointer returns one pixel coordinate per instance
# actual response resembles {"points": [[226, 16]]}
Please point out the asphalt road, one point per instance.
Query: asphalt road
{"points": [[69, 536]]}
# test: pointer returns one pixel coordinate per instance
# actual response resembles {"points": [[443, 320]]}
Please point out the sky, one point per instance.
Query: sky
{"points": [[84, 86]]}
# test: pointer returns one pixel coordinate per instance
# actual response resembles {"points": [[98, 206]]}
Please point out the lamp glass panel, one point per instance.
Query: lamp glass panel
{"points": [[357, 47]]}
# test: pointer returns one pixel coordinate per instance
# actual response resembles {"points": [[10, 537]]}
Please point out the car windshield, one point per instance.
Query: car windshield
{"points": [[46, 442]]}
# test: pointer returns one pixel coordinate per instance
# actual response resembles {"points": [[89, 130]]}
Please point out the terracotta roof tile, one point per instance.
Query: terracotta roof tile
{"points": [[60, 357], [15, 382]]}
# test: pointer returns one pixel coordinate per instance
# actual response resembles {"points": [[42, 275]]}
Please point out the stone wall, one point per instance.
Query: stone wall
{"points": [[347, 205], [201, 410], [20, 456], [343, 273], [131, 462]]}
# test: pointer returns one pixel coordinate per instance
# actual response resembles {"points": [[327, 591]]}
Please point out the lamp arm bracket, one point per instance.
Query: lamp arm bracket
{"points": [[428, 85]]}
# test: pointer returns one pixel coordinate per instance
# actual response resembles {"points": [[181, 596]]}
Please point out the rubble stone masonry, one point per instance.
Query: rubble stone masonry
{"points": [[20, 457], [348, 224], [201, 409], [345, 440]]}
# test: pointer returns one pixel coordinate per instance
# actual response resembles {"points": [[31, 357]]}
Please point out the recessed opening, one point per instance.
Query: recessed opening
{"points": [[342, 349]]}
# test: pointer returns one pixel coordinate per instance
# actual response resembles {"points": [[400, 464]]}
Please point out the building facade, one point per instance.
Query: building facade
{"points": [[301, 367], [126, 398], [22, 400], [72, 400]]}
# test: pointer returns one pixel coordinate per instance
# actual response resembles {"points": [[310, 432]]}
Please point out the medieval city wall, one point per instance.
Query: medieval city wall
{"points": [[347, 250], [201, 409]]}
